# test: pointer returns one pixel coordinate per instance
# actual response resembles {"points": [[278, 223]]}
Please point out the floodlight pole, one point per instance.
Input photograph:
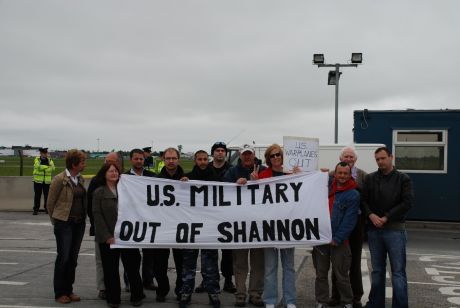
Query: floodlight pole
{"points": [[337, 78]]}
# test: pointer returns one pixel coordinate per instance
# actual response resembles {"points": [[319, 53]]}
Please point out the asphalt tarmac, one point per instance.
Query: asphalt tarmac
{"points": [[28, 251]]}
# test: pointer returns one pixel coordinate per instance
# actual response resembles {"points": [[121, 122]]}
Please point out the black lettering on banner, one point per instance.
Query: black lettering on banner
{"points": [[239, 232], [227, 235], [283, 230], [154, 226], [238, 195], [136, 237], [156, 201], [267, 195], [253, 188], [297, 229], [214, 195], [268, 230], [182, 233], [254, 232], [312, 228], [280, 189], [197, 190], [222, 202], [126, 230], [296, 189], [195, 231], [167, 192]]}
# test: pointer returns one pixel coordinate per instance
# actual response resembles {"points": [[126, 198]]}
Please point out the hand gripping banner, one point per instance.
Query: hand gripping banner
{"points": [[284, 211]]}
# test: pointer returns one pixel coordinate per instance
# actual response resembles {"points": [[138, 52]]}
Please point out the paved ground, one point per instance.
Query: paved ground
{"points": [[27, 253]]}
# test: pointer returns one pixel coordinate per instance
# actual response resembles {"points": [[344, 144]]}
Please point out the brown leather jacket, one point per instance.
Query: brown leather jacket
{"points": [[60, 197]]}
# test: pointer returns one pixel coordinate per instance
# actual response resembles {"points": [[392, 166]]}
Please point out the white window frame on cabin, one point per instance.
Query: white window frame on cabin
{"points": [[442, 143]]}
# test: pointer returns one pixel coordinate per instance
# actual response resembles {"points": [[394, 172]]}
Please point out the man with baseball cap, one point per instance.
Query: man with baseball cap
{"points": [[246, 169]]}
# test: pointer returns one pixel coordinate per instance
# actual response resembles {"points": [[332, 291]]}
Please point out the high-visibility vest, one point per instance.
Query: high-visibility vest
{"points": [[43, 173], [159, 164]]}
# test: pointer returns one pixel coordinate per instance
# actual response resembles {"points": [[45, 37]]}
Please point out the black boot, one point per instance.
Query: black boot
{"points": [[214, 300]]}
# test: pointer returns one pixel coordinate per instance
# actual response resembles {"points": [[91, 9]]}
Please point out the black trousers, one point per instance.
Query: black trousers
{"points": [[38, 189], [226, 263], [147, 266], [356, 248], [178, 261], [131, 259], [160, 270]]}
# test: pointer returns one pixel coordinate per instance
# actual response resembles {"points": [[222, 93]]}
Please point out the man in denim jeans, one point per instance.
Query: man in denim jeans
{"points": [[386, 198]]}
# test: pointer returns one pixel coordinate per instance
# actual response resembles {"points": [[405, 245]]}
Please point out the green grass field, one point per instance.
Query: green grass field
{"points": [[10, 166]]}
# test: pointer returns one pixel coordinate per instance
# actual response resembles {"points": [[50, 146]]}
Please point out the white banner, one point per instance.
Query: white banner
{"points": [[284, 211]]}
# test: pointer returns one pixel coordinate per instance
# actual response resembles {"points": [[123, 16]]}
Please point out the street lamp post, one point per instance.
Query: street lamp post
{"points": [[333, 79]]}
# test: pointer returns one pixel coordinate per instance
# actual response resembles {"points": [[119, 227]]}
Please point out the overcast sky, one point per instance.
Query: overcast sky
{"points": [[133, 73]]}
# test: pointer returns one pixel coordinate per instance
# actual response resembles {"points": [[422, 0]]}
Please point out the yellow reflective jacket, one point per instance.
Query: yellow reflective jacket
{"points": [[42, 173]]}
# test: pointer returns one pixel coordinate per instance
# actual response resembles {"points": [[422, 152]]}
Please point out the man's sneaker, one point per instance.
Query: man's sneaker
{"points": [[229, 286], [200, 288], [321, 305], [269, 306], [348, 306], [290, 306], [184, 300], [214, 300], [35, 213], [240, 300]]}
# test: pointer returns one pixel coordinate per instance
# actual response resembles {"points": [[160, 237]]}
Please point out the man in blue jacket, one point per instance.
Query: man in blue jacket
{"points": [[343, 208]]}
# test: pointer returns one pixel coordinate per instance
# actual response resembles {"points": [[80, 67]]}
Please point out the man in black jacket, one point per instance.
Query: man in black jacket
{"points": [[201, 171], [386, 198], [137, 160], [173, 171]]}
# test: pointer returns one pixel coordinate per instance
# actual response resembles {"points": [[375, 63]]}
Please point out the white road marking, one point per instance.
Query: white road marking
{"points": [[434, 284], [8, 263], [13, 283]]}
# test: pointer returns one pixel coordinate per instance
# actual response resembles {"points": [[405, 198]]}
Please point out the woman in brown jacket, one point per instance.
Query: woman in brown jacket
{"points": [[67, 209], [105, 212]]}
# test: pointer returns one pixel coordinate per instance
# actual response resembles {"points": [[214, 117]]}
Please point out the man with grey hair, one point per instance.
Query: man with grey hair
{"points": [[348, 155], [114, 158]]}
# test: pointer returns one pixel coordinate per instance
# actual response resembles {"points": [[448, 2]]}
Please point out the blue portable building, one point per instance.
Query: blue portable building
{"points": [[426, 145]]}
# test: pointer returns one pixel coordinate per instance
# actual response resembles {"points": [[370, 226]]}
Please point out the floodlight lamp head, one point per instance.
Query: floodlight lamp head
{"points": [[357, 58], [318, 58]]}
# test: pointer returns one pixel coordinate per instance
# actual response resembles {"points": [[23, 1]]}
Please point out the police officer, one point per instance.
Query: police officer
{"points": [[148, 159], [43, 169]]}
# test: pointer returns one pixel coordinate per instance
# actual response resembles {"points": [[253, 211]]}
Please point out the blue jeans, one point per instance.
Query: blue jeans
{"points": [[69, 235], [270, 295], [383, 242]]}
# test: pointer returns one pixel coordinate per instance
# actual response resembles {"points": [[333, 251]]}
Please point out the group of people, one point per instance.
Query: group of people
{"points": [[378, 201]]}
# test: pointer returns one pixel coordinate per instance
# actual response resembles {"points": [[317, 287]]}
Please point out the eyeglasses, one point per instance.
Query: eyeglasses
{"points": [[275, 155]]}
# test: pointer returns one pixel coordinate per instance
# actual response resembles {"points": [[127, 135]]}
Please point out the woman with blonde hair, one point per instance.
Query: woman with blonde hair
{"points": [[274, 160]]}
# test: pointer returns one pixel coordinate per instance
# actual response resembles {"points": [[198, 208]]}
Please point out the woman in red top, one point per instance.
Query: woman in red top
{"points": [[274, 160]]}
